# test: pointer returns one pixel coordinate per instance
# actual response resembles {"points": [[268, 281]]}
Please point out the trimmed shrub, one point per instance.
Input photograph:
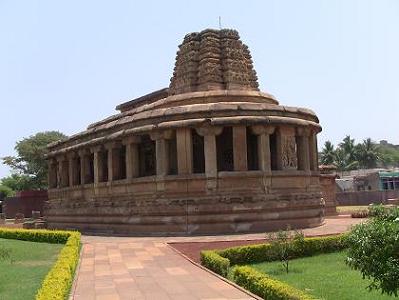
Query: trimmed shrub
{"points": [[213, 261], [300, 248], [58, 281], [41, 236], [266, 287]]}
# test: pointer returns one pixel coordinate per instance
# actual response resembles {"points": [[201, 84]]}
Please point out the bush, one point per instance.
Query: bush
{"points": [[41, 236], [383, 212], [374, 251], [266, 287], [214, 262], [58, 281], [300, 248]]}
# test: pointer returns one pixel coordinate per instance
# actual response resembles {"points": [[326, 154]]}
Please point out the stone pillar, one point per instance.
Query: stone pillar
{"points": [[132, 156], [209, 133], [303, 148], [240, 148], [263, 132], [52, 173], [184, 151], [63, 180], [84, 166], [113, 160], [162, 150], [314, 164], [73, 169], [286, 148], [98, 163]]}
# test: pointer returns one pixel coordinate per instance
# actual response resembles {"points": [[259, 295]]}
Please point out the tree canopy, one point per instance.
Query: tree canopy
{"points": [[29, 166], [367, 154]]}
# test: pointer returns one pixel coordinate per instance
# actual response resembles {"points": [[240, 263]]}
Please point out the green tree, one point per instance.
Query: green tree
{"points": [[29, 163], [343, 162], [374, 250], [367, 154], [348, 146], [19, 182], [5, 191], [328, 153]]}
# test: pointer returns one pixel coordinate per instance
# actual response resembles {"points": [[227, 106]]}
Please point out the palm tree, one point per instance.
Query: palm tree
{"points": [[348, 146], [368, 154], [328, 154], [343, 162]]}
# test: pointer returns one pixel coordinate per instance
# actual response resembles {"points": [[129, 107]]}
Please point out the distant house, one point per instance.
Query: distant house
{"points": [[369, 180]]}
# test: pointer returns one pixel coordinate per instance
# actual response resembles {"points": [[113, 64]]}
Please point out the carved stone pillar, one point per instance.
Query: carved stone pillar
{"points": [[73, 169], [132, 156], [184, 151], [286, 148], [113, 160], [98, 163], [52, 173], [303, 149], [63, 180], [263, 132], [162, 151], [84, 166], [240, 148], [209, 133], [314, 164]]}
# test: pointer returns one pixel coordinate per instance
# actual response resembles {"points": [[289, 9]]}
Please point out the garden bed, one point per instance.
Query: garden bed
{"points": [[34, 255], [248, 267], [25, 267], [334, 279]]}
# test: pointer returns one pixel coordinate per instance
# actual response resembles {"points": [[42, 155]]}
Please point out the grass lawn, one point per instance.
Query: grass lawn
{"points": [[325, 276], [22, 277]]}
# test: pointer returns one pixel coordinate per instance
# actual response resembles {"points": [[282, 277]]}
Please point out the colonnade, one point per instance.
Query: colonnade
{"points": [[171, 151]]}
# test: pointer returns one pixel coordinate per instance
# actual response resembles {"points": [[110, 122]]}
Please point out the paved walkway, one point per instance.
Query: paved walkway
{"points": [[113, 268]]}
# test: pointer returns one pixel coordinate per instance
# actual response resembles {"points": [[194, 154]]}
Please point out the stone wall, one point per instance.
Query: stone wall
{"points": [[365, 197], [24, 202], [328, 189]]}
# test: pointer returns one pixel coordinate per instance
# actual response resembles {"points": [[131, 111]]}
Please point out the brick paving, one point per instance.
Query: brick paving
{"points": [[113, 268]]}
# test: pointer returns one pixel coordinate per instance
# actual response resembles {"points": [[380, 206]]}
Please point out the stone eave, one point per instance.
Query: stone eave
{"points": [[191, 123]]}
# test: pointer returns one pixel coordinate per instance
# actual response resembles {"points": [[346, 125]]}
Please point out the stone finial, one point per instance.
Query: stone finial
{"points": [[213, 60]]}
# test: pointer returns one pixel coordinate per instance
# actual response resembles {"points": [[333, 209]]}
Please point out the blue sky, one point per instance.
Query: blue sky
{"points": [[65, 64]]}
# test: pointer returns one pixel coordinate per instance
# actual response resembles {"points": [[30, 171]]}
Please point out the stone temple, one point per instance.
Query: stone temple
{"points": [[209, 154]]}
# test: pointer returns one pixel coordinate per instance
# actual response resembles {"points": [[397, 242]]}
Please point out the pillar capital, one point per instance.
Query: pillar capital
{"points": [[303, 131], [131, 139], [262, 129], [209, 130], [52, 160], [113, 144], [83, 152], [72, 155], [161, 135], [286, 130], [61, 158], [96, 148]]}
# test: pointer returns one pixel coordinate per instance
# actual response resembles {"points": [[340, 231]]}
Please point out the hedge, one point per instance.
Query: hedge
{"points": [[220, 261], [57, 283], [266, 287], [265, 252], [36, 235], [213, 261]]}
